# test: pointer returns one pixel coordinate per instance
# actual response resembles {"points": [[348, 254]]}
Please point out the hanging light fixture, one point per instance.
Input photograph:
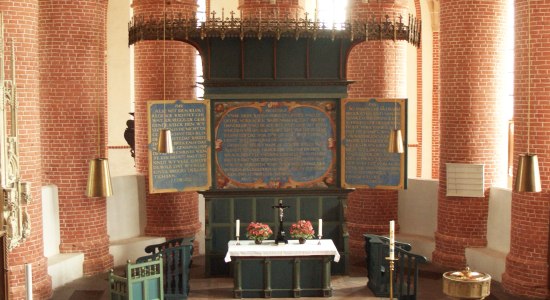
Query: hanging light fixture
{"points": [[164, 142], [99, 176], [396, 138], [528, 176]]}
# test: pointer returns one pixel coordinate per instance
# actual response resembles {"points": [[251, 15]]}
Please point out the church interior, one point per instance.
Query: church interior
{"points": [[274, 111]]}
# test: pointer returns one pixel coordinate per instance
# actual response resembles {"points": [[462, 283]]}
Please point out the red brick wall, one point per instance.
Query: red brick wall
{"points": [[280, 9], [435, 107], [21, 26], [72, 89], [419, 100], [470, 85], [168, 214], [372, 65], [527, 270]]}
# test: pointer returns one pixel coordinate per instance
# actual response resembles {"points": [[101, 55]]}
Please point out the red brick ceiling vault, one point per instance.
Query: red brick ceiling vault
{"points": [[472, 40], [527, 265], [72, 95], [378, 70], [20, 21], [168, 214]]}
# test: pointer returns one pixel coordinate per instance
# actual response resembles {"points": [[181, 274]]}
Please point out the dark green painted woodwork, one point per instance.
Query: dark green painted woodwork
{"points": [[292, 59], [227, 206], [224, 59], [282, 277], [326, 59], [259, 58], [269, 58]]}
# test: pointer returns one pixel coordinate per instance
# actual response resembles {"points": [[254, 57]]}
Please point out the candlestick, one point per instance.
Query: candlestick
{"points": [[392, 239], [237, 227], [320, 231], [392, 268]]}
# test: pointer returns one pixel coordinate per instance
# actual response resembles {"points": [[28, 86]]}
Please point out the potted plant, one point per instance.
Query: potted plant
{"points": [[258, 232], [302, 230]]}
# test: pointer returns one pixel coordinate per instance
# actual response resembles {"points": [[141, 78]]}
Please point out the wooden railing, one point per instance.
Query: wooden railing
{"points": [[142, 280], [176, 255]]}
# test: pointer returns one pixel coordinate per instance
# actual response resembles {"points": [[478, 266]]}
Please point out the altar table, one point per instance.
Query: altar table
{"points": [[284, 270]]}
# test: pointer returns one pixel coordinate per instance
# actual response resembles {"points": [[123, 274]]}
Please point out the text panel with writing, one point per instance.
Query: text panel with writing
{"points": [[366, 126], [188, 168]]}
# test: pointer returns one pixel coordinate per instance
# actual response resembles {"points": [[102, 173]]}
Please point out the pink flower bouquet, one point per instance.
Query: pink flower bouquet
{"points": [[258, 231], [302, 229]]}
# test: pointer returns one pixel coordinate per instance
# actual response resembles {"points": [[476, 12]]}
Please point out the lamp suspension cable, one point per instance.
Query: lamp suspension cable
{"points": [[164, 143], [395, 72], [528, 175], [164, 64], [528, 76], [99, 177]]}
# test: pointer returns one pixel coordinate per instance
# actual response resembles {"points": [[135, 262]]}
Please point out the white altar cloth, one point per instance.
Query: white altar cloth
{"points": [[293, 248]]}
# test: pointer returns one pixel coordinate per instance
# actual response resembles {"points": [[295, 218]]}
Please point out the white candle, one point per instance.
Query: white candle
{"points": [[392, 239], [28, 280], [320, 231], [237, 227]]}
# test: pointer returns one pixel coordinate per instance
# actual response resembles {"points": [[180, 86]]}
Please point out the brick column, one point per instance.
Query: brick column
{"points": [[378, 69], [168, 214], [21, 27], [527, 269], [72, 89], [435, 107], [471, 57], [272, 8]]}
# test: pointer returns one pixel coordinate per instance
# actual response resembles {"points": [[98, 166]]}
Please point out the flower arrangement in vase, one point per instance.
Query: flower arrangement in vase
{"points": [[258, 232], [302, 230]]}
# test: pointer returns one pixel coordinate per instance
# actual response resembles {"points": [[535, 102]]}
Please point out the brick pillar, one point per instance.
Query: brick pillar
{"points": [[435, 107], [471, 133], [72, 89], [21, 26], [419, 100], [272, 8], [168, 214], [527, 269], [378, 69]]}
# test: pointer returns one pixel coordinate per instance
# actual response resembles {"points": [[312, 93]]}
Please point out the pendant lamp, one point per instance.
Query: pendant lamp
{"points": [[396, 141], [396, 138], [164, 142], [528, 176], [99, 176]]}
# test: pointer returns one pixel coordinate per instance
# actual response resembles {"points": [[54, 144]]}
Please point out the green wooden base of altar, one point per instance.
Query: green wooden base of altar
{"points": [[282, 277]]}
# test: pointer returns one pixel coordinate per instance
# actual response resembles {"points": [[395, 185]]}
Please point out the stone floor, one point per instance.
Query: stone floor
{"points": [[353, 286]]}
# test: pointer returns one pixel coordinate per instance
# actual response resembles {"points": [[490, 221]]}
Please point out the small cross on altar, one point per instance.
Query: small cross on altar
{"points": [[281, 238]]}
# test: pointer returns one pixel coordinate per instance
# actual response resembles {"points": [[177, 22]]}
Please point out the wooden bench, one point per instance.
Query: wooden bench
{"points": [[176, 256], [142, 280], [406, 268]]}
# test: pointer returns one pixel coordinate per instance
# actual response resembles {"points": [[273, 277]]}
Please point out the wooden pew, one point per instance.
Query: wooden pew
{"points": [[406, 268], [176, 255], [142, 280]]}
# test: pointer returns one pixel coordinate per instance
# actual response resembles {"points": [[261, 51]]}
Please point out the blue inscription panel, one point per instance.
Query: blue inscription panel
{"points": [[277, 144], [366, 129], [188, 168]]}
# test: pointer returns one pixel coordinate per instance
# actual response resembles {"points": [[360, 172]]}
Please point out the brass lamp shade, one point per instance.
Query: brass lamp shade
{"points": [[396, 141], [164, 144], [99, 179], [528, 176]]}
